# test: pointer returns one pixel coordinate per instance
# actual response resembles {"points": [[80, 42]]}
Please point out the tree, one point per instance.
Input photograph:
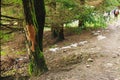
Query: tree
{"points": [[56, 26], [34, 11], [61, 12], [81, 22]]}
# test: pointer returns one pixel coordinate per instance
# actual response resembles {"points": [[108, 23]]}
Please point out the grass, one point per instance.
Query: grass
{"points": [[3, 53], [76, 30], [20, 52], [6, 37]]}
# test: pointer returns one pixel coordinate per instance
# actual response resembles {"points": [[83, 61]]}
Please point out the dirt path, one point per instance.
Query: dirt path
{"points": [[93, 55], [98, 59]]}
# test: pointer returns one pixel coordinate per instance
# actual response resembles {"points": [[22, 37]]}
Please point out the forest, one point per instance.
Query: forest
{"points": [[60, 40]]}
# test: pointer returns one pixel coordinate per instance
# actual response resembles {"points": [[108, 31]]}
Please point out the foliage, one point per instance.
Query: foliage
{"points": [[12, 8], [3, 53], [62, 12], [67, 11], [85, 14], [97, 22], [76, 30], [20, 52], [30, 68], [11, 2], [69, 4], [108, 5]]}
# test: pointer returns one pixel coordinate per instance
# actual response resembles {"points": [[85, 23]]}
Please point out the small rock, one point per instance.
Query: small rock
{"points": [[74, 45], [53, 49], [109, 65], [66, 47], [90, 60], [13, 49], [87, 66], [100, 37], [20, 59], [64, 50], [82, 43], [98, 31], [95, 34], [114, 56]]}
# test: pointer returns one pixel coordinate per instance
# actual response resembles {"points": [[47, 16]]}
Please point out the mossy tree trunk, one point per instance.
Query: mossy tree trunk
{"points": [[34, 11]]}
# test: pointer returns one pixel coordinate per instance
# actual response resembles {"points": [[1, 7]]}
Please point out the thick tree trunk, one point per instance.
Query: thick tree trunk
{"points": [[35, 18]]}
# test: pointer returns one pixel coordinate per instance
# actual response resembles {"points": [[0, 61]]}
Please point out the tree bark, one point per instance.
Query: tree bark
{"points": [[80, 23], [61, 33], [57, 32], [54, 32], [35, 19]]}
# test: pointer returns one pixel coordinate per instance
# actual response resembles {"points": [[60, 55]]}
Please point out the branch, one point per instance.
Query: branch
{"points": [[3, 4], [11, 28], [10, 17]]}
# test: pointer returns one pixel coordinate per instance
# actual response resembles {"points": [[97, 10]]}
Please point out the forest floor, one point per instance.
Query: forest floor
{"points": [[91, 55]]}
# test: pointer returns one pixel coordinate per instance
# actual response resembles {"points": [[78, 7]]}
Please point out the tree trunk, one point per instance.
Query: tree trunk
{"points": [[56, 29], [54, 32], [61, 33], [80, 23], [34, 11], [57, 32]]}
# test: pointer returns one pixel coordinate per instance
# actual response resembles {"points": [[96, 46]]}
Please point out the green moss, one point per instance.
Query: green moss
{"points": [[41, 55], [30, 68], [6, 37], [20, 52], [3, 53]]}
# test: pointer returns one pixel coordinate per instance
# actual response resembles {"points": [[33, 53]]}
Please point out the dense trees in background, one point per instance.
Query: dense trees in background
{"points": [[35, 19], [60, 12], [108, 5], [11, 16]]}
